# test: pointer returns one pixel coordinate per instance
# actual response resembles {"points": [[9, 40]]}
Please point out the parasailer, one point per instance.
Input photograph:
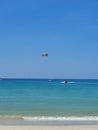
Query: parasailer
{"points": [[44, 54]]}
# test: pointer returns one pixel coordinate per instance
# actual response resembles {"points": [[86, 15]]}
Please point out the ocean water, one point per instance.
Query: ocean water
{"points": [[48, 98]]}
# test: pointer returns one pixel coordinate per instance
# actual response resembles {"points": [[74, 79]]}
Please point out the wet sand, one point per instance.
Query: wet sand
{"points": [[48, 125], [90, 127], [50, 122]]}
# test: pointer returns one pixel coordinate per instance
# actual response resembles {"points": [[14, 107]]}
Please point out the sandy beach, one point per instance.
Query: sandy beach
{"points": [[49, 127]]}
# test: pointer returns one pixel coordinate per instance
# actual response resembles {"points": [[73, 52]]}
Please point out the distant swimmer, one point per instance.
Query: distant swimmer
{"points": [[65, 81]]}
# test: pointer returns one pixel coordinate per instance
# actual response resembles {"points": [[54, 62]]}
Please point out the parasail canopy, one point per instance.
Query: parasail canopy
{"points": [[44, 54]]}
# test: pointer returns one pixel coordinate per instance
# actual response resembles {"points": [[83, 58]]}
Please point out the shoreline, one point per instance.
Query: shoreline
{"points": [[47, 123], [49, 118], [42, 121], [71, 118], [49, 127]]}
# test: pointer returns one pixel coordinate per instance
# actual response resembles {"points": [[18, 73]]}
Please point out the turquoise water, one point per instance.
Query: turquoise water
{"points": [[44, 97]]}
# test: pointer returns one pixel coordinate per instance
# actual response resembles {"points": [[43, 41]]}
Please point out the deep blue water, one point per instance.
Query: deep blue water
{"points": [[45, 97]]}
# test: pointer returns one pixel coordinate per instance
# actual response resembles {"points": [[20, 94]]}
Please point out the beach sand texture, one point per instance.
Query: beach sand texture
{"points": [[49, 127]]}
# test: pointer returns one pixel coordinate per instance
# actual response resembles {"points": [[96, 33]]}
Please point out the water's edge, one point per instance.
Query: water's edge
{"points": [[43, 118], [51, 121]]}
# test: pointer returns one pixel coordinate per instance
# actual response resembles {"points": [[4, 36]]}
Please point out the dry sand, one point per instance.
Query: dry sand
{"points": [[2, 127]]}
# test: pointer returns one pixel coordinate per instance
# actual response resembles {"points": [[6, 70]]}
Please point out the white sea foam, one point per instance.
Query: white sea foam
{"points": [[62, 82], [68, 82], [42, 118], [90, 118]]}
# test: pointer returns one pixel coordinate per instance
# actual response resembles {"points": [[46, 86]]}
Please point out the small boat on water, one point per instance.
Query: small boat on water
{"points": [[65, 81]]}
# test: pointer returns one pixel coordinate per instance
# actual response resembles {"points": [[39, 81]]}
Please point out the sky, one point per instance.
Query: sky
{"points": [[66, 29]]}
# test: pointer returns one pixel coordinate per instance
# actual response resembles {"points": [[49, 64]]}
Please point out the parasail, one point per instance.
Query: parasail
{"points": [[44, 54]]}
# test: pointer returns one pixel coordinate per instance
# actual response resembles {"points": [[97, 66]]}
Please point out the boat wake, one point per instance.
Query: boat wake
{"points": [[68, 82]]}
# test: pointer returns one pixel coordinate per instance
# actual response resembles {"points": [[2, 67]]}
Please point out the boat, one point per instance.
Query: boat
{"points": [[65, 81]]}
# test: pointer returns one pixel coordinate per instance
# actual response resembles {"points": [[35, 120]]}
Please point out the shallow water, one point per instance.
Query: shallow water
{"points": [[48, 97]]}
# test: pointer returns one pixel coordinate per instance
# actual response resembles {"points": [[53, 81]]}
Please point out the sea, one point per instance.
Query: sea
{"points": [[48, 98]]}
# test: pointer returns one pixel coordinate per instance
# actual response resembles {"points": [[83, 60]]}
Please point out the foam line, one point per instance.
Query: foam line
{"points": [[92, 118]]}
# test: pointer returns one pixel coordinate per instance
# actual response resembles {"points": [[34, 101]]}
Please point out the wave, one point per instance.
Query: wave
{"points": [[89, 118], [68, 82], [43, 118], [88, 83]]}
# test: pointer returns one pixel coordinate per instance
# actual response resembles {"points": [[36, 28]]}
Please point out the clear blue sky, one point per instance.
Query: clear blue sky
{"points": [[66, 29]]}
